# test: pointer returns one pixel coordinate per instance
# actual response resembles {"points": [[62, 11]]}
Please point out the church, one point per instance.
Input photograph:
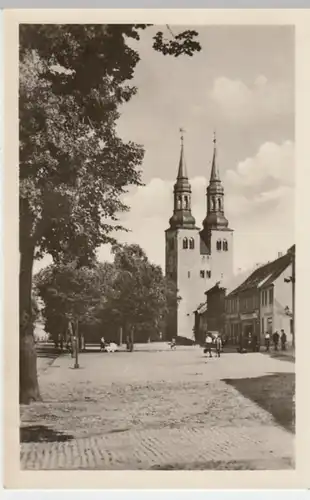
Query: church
{"points": [[196, 258]]}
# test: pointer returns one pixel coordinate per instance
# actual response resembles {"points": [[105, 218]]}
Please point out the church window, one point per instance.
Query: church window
{"points": [[225, 245], [202, 274], [191, 243], [220, 204], [185, 243], [213, 203], [186, 202], [219, 245], [208, 274], [179, 202]]}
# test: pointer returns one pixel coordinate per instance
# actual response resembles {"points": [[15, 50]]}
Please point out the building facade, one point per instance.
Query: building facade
{"points": [[196, 258], [263, 302]]}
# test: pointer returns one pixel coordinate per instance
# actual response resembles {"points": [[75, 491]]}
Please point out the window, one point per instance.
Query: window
{"points": [[220, 204], [188, 274], [271, 296], [202, 274], [208, 274], [213, 203], [218, 245], [171, 244], [185, 243], [179, 202], [225, 245], [186, 202], [191, 243]]}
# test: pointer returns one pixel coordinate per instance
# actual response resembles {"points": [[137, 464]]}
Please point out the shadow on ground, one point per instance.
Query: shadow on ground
{"points": [[41, 433], [274, 393], [267, 464]]}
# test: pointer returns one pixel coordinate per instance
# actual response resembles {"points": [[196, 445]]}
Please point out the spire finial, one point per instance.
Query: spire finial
{"points": [[182, 135], [214, 137]]}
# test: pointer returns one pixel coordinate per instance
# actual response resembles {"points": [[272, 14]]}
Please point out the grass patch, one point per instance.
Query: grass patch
{"points": [[274, 393]]}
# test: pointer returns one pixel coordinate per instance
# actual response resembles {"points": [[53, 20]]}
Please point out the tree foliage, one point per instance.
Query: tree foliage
{"points": [[73, 166], [131, 293]]}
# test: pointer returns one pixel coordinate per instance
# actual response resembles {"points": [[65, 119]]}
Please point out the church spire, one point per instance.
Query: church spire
{"points": [[182, 172], [182, 216], [215, 175], [215, 218]]}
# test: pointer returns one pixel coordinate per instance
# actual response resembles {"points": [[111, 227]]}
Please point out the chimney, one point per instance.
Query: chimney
{"points": [[280, 254]]}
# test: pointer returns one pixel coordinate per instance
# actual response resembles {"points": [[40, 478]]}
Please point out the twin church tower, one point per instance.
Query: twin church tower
{"points": [[197, 258]]}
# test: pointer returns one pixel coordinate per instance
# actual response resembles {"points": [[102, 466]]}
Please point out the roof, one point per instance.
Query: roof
{"points": [[264, 275]]}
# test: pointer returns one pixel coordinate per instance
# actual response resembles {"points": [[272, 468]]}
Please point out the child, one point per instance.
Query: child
{"points": [[218, 344]]}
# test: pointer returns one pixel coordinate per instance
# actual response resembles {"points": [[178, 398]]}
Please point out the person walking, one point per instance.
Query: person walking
{"points": [[102, 343], [218, 345], [276, 338], [267, 341], [283, 340], [209, 341]]}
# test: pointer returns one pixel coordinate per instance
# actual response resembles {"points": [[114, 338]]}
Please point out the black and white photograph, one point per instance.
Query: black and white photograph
{"points": [[157, 243]]}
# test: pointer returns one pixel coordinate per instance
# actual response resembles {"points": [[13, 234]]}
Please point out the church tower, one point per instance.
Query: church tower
{"points": [[183, 253], [216, 236]]}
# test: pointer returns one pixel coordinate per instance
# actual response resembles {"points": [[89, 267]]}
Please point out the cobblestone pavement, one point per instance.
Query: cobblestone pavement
{"points": [[152, 410]]}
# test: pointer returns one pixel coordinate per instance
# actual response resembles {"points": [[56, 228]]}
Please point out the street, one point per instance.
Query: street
{"points": [[160, 409]]}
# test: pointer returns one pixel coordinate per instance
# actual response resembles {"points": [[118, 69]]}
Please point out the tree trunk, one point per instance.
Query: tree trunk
{"points": [[28, 380]]}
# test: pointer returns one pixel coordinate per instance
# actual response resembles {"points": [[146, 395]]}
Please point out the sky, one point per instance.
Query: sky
{"points": [[241, 84]]}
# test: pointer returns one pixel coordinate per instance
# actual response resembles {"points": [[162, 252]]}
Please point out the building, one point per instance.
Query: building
{"points": [[210, 316], [263, 302], [196, 258]]}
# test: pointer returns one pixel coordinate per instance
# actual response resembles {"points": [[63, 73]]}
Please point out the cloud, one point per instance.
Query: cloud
{"points": [[258, 101], [259, 204]]}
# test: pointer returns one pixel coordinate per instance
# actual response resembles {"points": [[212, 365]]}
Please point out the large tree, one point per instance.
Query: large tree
{"points": [[73, 166], [140, 298]]}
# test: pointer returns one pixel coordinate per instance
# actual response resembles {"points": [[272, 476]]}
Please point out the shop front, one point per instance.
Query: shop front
{"points": [[249, 329]]}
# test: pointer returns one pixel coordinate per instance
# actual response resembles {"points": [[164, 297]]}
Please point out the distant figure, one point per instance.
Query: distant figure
{"points": [[112, 347], [283, 340], [218, 344], [276, 338], [173, 344], [267, 341], [102, 343], [208, 349]]}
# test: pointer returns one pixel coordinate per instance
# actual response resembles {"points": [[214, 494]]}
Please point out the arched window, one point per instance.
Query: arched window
{"points": [[220, 204], [179, 202], [185, 243], [225, 245], [186, 202], [191, 243], [218, 245], [213, 203]]}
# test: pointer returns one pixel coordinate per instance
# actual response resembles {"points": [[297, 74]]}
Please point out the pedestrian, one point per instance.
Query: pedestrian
{"points": [[218, 345], [276, 338], [267, 341], [208, 348], [173, 344], [283, 340], [102, 343]]}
